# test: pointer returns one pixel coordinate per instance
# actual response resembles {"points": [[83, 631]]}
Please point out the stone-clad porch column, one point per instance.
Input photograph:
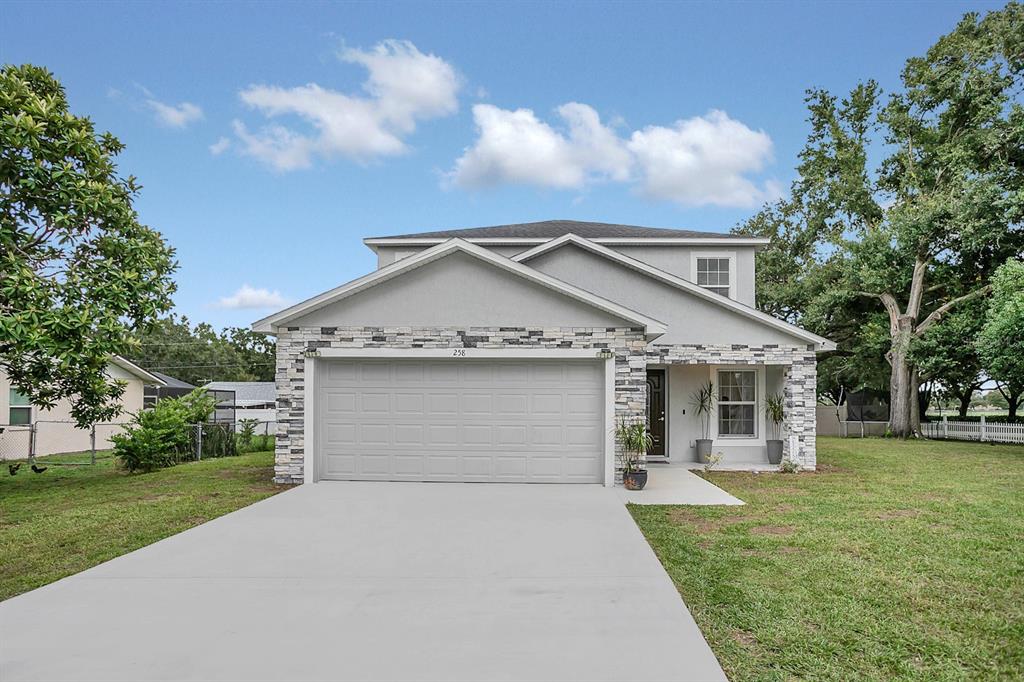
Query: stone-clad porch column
{"points": [[800, 393]]}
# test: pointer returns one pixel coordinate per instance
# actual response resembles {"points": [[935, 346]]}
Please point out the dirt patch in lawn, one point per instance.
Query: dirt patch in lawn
{"points": [[743, 638], [702, 524]]}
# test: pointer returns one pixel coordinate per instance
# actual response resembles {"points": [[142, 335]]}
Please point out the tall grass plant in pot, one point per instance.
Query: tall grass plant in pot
{"points": [[774, 412], [703, 402], [634, 440]]}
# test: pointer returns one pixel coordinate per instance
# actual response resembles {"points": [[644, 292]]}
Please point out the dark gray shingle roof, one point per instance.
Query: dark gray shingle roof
{"points": [[551, 229], [171, 381]]}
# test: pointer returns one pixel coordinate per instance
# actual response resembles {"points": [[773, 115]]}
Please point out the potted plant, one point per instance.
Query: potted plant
{"points": [[703, 402], [635, 440], [774, 413]]}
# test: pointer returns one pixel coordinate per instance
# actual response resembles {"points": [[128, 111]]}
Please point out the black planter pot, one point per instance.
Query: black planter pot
{"points": [[774, 448], [634, 480]]}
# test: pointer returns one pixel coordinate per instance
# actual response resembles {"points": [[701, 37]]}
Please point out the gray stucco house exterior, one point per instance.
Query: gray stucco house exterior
{"points": [[509, 353]]}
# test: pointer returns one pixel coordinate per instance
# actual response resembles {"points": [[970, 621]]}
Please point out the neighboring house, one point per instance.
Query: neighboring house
{"points": [[249, 400], [509, 353], [56, 431], [172, 388]]}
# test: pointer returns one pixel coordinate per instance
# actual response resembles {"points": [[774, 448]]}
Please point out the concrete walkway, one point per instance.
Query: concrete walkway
{"points": [[373, 581], [676, 484]]}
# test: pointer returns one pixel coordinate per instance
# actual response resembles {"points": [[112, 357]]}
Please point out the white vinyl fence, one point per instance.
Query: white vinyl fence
{"points": [[979, 431]]}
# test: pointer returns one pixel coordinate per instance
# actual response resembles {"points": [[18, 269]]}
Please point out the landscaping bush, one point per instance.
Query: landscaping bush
{"points": [[162, 436]]}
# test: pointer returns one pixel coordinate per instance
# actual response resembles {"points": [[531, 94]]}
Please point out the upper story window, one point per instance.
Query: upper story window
{"points": [[715, 274], [20, 409]]}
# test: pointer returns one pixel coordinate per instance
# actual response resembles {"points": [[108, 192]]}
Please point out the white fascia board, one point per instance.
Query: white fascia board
{"points": [[373, 242], [132, 368], [653, 327], [678, 282]]}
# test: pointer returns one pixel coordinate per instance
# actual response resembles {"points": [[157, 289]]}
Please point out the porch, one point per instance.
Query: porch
{"points": [[741, 378]]}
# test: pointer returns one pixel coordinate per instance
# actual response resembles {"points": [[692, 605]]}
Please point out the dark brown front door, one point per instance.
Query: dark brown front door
{"points": [[656, 410]]}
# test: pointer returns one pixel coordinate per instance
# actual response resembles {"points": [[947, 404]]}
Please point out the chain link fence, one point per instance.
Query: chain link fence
{"points": [[66, 443]]}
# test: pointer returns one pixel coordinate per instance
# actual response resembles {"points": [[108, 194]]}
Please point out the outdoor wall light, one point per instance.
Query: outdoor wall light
{"points": [[606, 354]]}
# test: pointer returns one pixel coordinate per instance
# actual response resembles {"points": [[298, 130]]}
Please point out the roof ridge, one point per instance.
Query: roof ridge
{"points": [[549, 229]]}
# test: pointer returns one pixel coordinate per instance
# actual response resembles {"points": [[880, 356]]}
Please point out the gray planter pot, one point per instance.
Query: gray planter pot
{"points": [[774, 451], [703, 449]]}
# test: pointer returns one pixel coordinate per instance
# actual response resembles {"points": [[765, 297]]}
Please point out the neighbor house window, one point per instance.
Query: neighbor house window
{"points": [[737, 403], [21, 409], [713, 274]]}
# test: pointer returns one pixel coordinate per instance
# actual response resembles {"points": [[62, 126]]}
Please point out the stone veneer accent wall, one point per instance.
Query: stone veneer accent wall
{"points": [[632, 355], [292, 343], [799, 384]]}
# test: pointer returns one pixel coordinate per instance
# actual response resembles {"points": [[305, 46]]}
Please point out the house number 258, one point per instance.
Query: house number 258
{"points": [[459, 353]]}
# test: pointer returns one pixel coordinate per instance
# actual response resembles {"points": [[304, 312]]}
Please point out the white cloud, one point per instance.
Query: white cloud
{"points": [[175, 115], [220, 146], [703, 160], [516, 147], [403, 86], [251, 297], [697, 161]]}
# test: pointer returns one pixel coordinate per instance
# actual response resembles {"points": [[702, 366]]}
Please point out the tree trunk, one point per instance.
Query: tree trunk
{"points": [[965, 403], [904, 413], [1013, 403]]}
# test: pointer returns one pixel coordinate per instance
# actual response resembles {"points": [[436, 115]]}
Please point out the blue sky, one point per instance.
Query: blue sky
{"points": [[270, 139]]}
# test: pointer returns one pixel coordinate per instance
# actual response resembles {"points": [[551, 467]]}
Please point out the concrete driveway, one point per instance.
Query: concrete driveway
{"points": [[373, 581]]}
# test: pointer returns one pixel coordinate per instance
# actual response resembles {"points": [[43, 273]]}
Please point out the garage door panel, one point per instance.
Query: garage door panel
{"points": [[454, 420], [477, 403], [374, 403], [443, 435], [343, 402], [511, 403], [478, 434], [409, 404], [374, 434]]}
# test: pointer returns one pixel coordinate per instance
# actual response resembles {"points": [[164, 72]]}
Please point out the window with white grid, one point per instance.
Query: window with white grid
{"points": [[20, 409], [737, 403], [713, 274]]}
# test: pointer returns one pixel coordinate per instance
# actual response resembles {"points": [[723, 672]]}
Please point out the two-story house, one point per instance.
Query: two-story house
{"points": [[510, 353]]}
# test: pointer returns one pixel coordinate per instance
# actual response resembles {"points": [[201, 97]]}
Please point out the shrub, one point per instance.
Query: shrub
{"points": [[788, 466], [162, 436], [247, 440]]}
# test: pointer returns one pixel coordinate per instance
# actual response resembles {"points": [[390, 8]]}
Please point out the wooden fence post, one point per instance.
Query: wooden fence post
{"points": [[983, 434], [945, 426]]}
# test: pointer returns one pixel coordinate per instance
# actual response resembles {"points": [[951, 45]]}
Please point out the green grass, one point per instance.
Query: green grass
{"points": [[70, 518], [896, 560]]}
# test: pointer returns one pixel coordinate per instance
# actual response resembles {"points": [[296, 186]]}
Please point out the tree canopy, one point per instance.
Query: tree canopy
{"points": [[199, 354], [1001, 341], [79, 274]]}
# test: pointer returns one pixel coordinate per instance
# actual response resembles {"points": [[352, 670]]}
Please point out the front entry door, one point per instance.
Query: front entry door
{"points": [[656, 411]]}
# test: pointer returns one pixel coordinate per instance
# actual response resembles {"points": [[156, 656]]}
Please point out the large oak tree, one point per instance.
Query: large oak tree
{"points": [[920, 231]]}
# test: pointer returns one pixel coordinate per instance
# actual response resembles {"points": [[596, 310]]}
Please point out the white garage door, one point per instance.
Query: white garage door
{"points": [[461, 420]]}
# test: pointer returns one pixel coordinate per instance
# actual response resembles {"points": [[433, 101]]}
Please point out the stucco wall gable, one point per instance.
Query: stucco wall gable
{"points": [[690, 319], [458, 290]]}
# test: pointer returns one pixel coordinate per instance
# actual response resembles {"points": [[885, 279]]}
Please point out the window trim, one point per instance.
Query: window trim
{"points": [[756, 435], [695, 255], [10, 406]]}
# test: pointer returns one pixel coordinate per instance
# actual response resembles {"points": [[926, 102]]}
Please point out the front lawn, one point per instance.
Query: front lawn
{"points": [[896, 560], [67, 519]]}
